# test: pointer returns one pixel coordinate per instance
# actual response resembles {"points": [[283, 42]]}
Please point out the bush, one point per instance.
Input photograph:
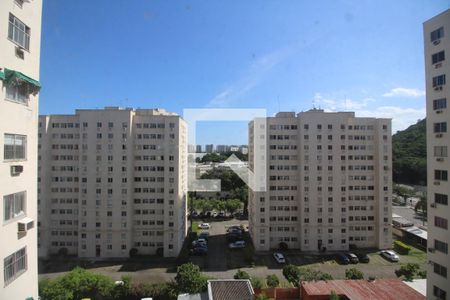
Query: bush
{"points": [[353, 273], [401, 248], [408, 271], [241, 275], [257, 283], [292, 274], [272, 281]]}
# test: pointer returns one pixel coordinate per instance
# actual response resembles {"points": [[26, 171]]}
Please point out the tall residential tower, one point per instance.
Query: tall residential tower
{"points": [[20, 42], [329, 181], [437, 67], [111, 180]]}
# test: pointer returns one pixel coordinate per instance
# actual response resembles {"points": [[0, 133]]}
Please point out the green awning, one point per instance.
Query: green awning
{"points": [[2, 75], [16, 77]]}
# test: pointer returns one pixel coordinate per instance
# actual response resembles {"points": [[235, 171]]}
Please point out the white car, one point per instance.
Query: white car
{"points": [[237, 244], [279, 258], [204, 226], [390, 255]]}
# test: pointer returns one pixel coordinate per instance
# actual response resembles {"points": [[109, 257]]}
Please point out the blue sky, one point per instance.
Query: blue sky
{"points": [[362, 56]]}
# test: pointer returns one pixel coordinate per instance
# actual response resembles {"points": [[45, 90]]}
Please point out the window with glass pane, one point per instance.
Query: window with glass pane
{"points": [[440, 103], [440, 151], [18, 32], [15, 146], [18, 93], [437, 34], [13, 205], [14, 265], [439, 80]]}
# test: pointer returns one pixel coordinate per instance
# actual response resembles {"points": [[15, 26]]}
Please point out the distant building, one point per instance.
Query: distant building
{"points": [[198, 148], [222, 148], [329, 180], [20, 45], [243, 149], [209, 148], [111, 180], [234, 148], [191, 148], [437, 67]]}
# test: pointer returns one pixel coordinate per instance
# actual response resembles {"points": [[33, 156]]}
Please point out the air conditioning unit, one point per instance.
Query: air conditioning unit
{"points": [[439, 111], [25, 224], [431, 250], [16, 170], [438, 88], [433, 205], [439, 159], [439, 135], [436, 42], [436, 66], [436, 183]]}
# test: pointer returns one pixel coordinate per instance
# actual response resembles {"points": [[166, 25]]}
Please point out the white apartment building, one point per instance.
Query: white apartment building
{"points": [[111, 180], [20, 40], [437, 67], [329, 180]]}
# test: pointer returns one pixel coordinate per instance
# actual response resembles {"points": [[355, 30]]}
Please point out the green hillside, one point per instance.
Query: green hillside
{"points": [[409, 155]]}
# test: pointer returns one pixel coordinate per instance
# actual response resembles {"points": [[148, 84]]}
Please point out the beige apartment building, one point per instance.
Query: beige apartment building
{"points": [[20, 39], [112, 180], [329, 180], [437, 67]]}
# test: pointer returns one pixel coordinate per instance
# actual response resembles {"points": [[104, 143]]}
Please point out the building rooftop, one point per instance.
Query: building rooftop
{"points": [[393, 289], [230, 289]]}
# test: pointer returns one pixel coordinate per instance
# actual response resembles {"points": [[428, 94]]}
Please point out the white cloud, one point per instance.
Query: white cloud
{"points": [[402, 117], [404, 92]]}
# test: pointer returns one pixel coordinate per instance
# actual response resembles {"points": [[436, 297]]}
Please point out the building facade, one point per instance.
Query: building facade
{"points": [[112, 180], [437, 67], [19, 88], [328, 182]]}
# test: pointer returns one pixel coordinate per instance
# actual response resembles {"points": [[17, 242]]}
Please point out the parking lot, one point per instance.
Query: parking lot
{"points": [[221, 262]]}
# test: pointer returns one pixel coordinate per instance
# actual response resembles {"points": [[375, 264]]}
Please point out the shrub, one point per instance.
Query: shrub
{"points": [[401, 248], [408, 271], [257, 283], [353, 273], [292, 274], [272, 281], [241, 275]]}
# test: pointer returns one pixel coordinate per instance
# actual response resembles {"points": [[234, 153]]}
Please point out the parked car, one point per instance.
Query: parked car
{"points": [[204, 235], [202, 242], [194, 214], [237, 244], [233, 237], [214, 214], [352, 257], [342, 259], [390, 255], [222, 215], [199, 251], [204, 226], [279, 257], [364, 258]]}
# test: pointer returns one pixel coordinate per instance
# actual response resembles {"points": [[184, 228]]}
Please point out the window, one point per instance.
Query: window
{"points": [[437, 57], [440, 151], [440, 127], [15, 146], [441, 246], [18, 32], [14, 265], [441, 270], [13, 205], [440, 175], [437, 34], [439, 80], [439, 293], [441, 222], [441, 199], [17, 93], [440, 103]]}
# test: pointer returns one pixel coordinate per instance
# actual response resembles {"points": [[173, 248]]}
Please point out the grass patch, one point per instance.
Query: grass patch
{"points": [[194, 226]]}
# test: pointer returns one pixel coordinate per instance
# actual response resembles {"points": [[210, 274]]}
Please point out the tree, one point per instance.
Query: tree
{"points": [[232, 205], [189, 279], [241, 275], [272, 281], [421, 205], [353, 273], [404, 192], [408, 271], [292, 274], [78, 284]]}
